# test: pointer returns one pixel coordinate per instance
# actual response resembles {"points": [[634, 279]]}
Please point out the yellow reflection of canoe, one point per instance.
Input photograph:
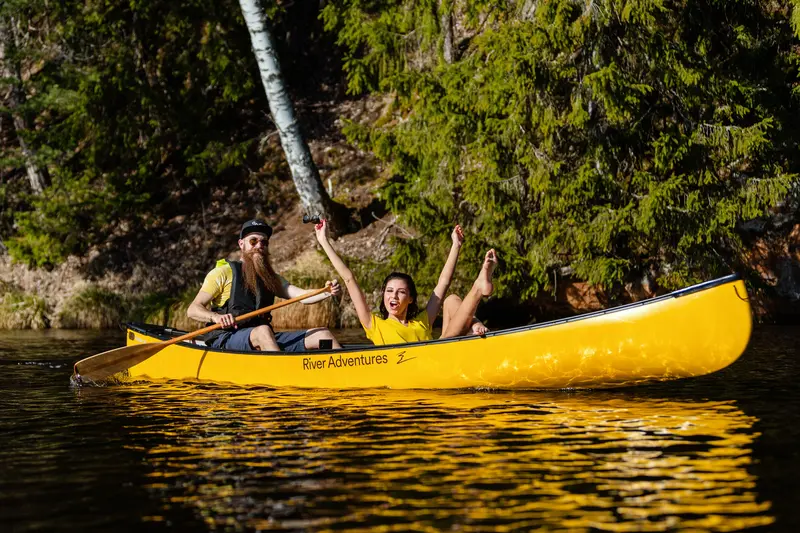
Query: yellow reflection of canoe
{"points": [[691, 332], [329, 460]]}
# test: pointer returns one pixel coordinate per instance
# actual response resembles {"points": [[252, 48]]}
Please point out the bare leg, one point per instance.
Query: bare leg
{"points": [[262, 338], [460, 321], [449, 308], [313, 336], [451, 305]]}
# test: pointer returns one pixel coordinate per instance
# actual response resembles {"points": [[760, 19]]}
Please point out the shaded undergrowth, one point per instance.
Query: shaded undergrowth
{"points": [[19, 310]]}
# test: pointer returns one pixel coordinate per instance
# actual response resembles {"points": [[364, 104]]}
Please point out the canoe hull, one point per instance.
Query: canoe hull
{"points": [[688, 333]]}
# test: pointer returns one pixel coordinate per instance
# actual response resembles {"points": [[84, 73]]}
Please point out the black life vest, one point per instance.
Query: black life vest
{"points": [[242, 301]]}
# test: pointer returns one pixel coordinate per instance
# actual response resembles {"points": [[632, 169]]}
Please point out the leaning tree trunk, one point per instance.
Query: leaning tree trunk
{"points": [[10, 70], [446, 22], [306, 178]]}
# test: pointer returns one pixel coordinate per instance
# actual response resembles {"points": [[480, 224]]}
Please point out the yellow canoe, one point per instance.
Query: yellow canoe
{"points": [[690, 332]]}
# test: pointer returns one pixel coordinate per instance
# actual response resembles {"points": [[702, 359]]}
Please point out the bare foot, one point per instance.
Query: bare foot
{"points": [[478, 328], [484, 281]]}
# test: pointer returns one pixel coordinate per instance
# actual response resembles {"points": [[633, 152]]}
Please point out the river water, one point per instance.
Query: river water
{"points": [[717, 453]]}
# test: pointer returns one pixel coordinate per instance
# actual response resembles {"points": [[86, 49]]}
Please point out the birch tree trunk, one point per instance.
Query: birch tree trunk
{"points": [[10, 70], [305, 174], [446, 21]]}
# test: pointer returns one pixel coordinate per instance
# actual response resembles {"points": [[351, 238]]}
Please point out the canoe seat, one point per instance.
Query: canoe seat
{"points": [[196, 342]]}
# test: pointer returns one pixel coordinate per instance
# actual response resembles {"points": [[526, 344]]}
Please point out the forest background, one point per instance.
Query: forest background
{"points": [[610, 150]]}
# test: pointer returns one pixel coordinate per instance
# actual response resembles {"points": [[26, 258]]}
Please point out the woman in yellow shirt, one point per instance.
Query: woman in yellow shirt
{"points": [[400, 319]]}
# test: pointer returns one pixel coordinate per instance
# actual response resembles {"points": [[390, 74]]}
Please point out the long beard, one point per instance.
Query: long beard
{"points": [[256, 266]]}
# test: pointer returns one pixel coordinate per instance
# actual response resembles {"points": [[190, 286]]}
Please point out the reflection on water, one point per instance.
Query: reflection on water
{"points": [[717, 453], [267, 459]]}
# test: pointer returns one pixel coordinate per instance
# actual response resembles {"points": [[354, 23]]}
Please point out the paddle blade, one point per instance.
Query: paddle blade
{"points": [[108, 363]]}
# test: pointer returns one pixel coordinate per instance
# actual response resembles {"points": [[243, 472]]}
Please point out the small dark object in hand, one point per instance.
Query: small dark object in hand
{"points": [[311, 218], [325, 344]]}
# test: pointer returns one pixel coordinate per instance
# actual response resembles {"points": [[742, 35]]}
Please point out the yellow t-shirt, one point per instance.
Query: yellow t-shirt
{"points": [[389, 331], [218, 283]]}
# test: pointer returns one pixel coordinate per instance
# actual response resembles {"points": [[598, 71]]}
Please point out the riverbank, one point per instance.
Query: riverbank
{"points": [[67, 297], [70, 297], [152, 273]]}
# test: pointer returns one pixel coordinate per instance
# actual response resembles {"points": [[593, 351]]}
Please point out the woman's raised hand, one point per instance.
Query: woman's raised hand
{"points": [[321, 230], [458, 236]]}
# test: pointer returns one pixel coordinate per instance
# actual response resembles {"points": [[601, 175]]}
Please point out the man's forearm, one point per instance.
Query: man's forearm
{"points": [[200, 313], [316, 298]]}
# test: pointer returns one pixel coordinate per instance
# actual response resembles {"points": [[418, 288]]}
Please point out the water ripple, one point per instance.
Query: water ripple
{"points": [[692, 455], [267, 459]]}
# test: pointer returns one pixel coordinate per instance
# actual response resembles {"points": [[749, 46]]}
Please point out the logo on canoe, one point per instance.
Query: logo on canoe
{"points": [[340, 361], [401, 358], [344, 361]]}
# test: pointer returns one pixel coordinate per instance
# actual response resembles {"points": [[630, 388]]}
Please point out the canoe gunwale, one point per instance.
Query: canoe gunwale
{"points": [[148, 329]]}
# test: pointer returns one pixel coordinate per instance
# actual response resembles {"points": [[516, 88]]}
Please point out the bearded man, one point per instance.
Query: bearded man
{"points": [[234, 288]]}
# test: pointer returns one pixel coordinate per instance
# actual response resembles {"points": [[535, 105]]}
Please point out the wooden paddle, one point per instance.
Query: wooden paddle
{"points": [[108, 363]]}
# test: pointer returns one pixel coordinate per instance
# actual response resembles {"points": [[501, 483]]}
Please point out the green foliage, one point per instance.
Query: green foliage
{"points": [[135, 103], [605, 139], [382, 40], [65, 218]]}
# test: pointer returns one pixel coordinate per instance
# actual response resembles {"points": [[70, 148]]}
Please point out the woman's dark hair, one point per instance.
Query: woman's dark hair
{"points": [[413, 309]]}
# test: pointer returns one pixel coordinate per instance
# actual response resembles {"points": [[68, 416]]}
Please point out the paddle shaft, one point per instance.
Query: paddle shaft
{"points": [[107, 363], [247, 316]]}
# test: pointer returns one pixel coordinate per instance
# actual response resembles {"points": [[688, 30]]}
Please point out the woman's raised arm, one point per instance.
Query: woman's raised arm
{"points": [[446, 276], [356, 294]]}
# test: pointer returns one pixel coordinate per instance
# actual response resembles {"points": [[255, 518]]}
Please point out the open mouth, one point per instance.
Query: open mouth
{"points": [[393, 305]]}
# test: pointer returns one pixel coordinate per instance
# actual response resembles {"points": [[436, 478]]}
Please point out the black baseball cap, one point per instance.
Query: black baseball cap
{"points": [[255, 226]]}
